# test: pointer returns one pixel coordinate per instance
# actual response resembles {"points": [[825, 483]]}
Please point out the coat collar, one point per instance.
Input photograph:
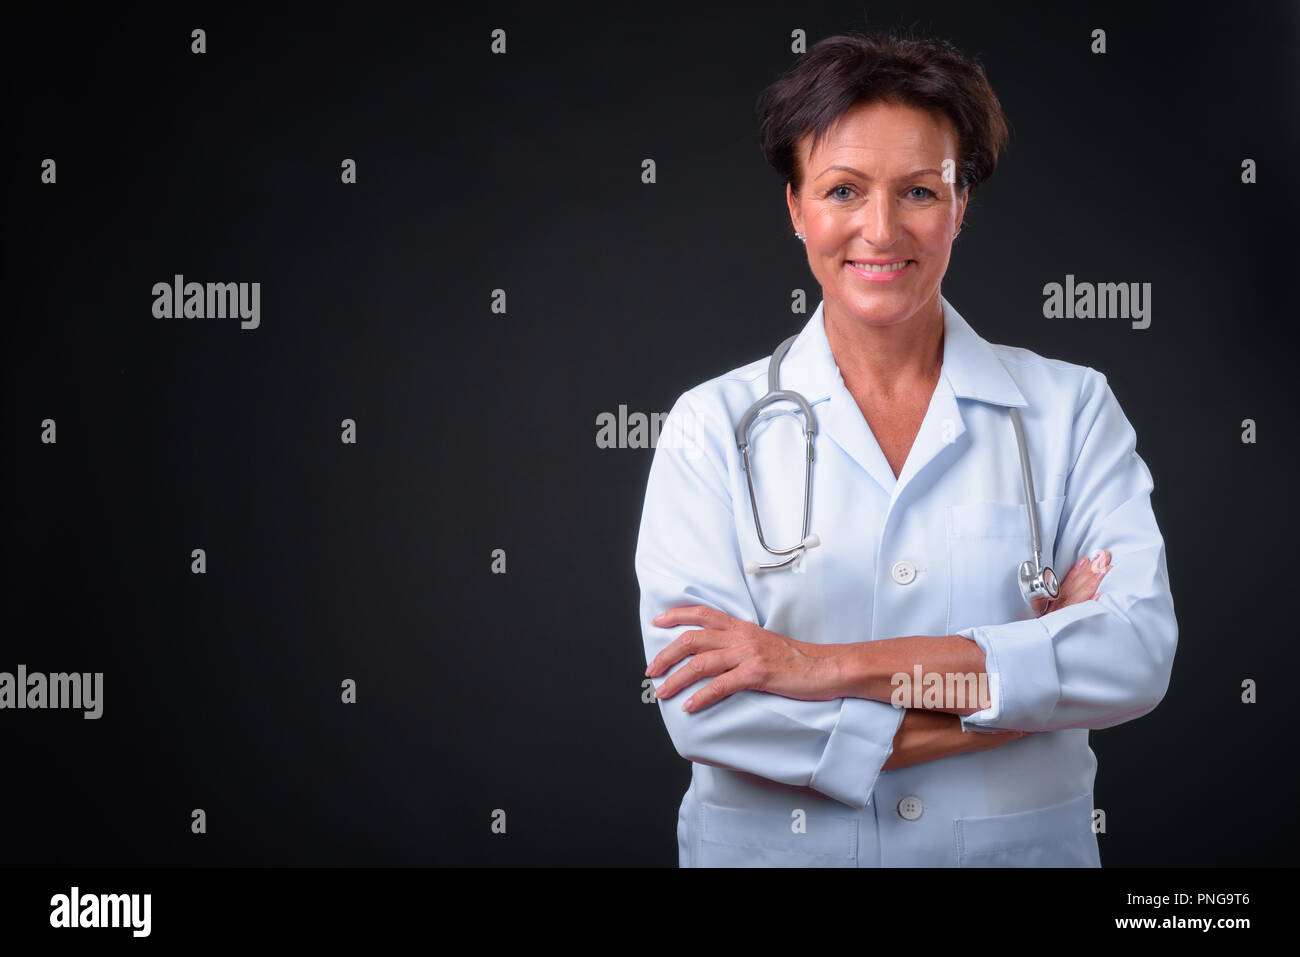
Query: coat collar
{"points": [[970, 370], [970, 366]]}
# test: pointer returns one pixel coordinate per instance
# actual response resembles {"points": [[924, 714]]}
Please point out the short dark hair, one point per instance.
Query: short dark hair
{"points": [[841, 72]]}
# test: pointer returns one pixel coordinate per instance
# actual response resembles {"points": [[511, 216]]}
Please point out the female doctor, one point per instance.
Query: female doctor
{"points": [[821, 699]]}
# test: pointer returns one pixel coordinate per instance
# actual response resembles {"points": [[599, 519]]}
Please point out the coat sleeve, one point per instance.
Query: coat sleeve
{"points": [[1098, 663], [688, 553]]}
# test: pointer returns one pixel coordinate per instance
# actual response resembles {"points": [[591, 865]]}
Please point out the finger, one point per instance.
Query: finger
{"points": [[1090, 579], [1100, 562], [717, 689], [1073, 576], [701, 666], [1092, 568], [1064, 592], [686, 644], [701, 615], [1081, 583]]}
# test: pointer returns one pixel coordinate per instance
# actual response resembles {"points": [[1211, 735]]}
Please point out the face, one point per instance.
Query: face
{"points": [[874, 191]]}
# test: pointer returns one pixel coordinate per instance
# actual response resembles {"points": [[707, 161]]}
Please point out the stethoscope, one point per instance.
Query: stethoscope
{"points": [[1036, 579]]}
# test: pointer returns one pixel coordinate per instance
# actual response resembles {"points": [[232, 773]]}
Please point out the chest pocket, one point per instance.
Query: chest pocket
{"points": [[987, 541]]}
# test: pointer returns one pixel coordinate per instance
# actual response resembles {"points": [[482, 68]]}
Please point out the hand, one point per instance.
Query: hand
{"points": [[742, 655], [1079, 585]]}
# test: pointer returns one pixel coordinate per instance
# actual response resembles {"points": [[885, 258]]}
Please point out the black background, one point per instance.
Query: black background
{"points": [[477, 431]]}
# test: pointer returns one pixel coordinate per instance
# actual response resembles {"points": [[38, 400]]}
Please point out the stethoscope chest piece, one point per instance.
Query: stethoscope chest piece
{"points": [[1037, 583]]}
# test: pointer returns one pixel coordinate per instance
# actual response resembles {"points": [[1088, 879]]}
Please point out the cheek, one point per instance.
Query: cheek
{"points": [[937, 234], [938, 247], [939, 256], [825, 241]]}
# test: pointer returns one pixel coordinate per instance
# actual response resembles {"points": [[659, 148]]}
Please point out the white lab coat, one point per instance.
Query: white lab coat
{"points": [[780, 782]]}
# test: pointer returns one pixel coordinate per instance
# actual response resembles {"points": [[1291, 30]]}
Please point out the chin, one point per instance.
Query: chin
{"points": [[882, 313]]}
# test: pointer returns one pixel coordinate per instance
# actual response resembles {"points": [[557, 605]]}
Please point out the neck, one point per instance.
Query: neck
{"points": [[882, 361]]}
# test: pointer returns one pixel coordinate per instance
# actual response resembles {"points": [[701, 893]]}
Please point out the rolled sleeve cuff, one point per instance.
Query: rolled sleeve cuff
{"points": [[1024, 686], [859, 745]]}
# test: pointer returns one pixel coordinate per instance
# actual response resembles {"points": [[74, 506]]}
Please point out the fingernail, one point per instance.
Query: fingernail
{"points": [[1080, 562], [659, 617]]}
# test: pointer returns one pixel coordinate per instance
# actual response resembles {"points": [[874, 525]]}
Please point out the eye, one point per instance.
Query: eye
{"points": [[924, 190], [834, 191]]}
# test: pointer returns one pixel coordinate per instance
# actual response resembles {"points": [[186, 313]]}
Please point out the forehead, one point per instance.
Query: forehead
{"points": [[882, 134]]}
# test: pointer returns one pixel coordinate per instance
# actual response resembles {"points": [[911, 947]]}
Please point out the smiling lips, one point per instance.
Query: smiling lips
{"points": [[880, 271]]}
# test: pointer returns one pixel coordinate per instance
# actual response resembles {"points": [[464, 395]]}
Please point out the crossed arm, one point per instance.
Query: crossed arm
{"points": [[742, 655], [763, 660]]}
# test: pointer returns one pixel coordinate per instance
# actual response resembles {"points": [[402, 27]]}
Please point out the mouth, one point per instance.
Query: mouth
{"points": [[880, 271]]}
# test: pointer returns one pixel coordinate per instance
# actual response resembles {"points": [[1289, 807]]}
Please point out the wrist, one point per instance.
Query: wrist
{"points": [[855, 671], [818, 651]]}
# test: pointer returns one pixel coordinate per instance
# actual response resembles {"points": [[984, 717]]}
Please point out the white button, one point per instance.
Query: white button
{"points": [[904, 572], [909, 809]]}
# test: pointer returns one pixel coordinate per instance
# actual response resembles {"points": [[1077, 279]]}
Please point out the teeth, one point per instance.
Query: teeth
{"points": [[892, 267]]}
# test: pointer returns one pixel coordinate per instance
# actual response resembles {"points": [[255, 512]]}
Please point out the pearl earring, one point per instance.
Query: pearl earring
{"points": [[801, 237]]}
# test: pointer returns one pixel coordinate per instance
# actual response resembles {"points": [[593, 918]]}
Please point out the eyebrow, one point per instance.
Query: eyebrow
{"points": [[856, 172]]}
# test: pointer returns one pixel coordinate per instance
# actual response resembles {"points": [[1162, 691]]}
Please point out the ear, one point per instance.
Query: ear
{"points": [[961, 207], [796, 217]]}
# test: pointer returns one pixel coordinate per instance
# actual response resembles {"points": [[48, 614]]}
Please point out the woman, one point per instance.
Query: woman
{"points": [[805, 695]]}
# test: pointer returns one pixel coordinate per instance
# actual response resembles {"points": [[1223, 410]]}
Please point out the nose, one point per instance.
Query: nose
{"points": [[880, 223]]}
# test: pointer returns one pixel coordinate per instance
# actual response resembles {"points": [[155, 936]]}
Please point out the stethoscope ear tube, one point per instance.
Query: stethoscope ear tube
{"points": [[775, 394]]}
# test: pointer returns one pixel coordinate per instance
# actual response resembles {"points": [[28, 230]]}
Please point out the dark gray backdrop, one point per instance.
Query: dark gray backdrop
{"points": [[477, 431]]}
